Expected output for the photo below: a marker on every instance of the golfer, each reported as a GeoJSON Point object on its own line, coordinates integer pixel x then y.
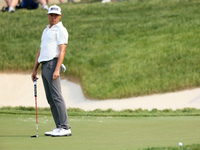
{"type": "Point", "coordinates": [51, 55]}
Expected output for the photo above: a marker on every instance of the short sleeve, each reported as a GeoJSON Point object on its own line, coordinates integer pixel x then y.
{"type": "Point", "coordinates": [62, 36]}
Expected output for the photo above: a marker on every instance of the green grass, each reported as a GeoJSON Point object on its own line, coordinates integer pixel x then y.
{"type": "Point", "coordinates": [116, 50]}
{"type": "Point", "coordinates": [123, 130]}
{"type": "Point", "coordinates": [100, 133]}
{"type": "Point", "coordinates": [105, 113]}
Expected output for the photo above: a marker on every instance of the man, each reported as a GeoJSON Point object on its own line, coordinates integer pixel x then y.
{"type": "Point", "coordinates": [29, 4]}
{"type": "Point", "coordinates": [51, 55]}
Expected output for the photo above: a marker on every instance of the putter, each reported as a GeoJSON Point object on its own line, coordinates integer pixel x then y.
{"type": "Point", "coordinates": [35, 93]}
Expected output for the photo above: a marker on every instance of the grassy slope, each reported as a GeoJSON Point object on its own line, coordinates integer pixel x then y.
{"type": "Point", "coordinates": [117, 49]}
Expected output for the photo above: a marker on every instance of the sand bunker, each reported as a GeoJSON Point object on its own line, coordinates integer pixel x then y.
{"type": "Point", "coordinates": [18, 90]}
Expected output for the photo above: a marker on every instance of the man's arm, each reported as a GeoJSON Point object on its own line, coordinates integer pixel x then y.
{"type": "Point", "coordinates": [61, 56]}
{"type": "Point", "coordinates": [34, 73]}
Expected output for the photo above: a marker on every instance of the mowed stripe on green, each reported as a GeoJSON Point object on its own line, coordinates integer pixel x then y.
{"type": "Point", "coordinates": [89, 133]}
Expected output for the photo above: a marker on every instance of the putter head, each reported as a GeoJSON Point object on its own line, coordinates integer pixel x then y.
{"type": "Point", "coordinates": [34, 136]}
{"type": "Point", "coordinates": [63, 67]}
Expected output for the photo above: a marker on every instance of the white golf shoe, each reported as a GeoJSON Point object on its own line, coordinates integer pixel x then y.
{"type": "Point", "coordinates": [62, 132]}
{"type": "Point", "coordinates": [50, 132]}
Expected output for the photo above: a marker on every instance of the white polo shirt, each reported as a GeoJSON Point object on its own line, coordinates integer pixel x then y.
{"type": "Point", "coordinates": [50, 41]}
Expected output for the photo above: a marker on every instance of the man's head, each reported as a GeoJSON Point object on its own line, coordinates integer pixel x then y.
{"type": "Point", "coordinates": [54, 14]}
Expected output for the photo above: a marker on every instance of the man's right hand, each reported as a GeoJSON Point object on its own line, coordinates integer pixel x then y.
{"type": "Point", "coordinates": [34, 75]}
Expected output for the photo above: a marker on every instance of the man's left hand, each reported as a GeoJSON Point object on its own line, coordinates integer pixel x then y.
{"type": "Point", "coordinates": [56, 75]}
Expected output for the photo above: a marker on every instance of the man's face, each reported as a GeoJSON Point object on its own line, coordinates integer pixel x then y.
{"type": "Point", "coordinates": [54, 19]}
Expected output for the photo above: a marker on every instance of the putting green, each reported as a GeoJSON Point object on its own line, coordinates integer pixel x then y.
{"type": "Point", "coordinates": [99, 133]}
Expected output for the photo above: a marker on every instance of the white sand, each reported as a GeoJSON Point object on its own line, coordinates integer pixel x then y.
{"type": "Point", "coordinates": [18, 90]}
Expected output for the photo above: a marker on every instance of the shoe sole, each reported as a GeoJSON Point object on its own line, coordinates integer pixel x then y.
{"type": "Point", "coordinates": [47, 134]}
{"type": "Point", "coordinates": [61, 135]}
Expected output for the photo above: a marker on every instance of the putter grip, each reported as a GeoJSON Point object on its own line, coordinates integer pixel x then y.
{"type": "Point", "coordinates": [35, 88]}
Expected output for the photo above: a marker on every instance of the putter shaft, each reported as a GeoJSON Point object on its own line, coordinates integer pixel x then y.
{"type": "Point", "coordinates": [35, 94]}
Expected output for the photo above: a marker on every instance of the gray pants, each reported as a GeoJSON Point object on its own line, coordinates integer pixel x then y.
{"type": "Point", "coordinates": [54, 95]}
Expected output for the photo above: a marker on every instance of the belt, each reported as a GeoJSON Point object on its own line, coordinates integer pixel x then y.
{"type": "Point", "coordinates": [43, 62]}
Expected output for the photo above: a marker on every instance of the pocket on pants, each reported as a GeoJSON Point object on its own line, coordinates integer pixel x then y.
{"type": "Point", "coordinates": [52, 64]}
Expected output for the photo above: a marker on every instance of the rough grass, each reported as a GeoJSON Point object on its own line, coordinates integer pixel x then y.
{"type": "Point", "coordinates": [105, 113]}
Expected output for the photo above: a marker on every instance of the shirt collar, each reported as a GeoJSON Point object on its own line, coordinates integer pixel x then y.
{"type": "Point", "coordinates": [56, 25]}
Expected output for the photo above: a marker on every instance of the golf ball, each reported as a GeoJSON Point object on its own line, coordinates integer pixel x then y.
{"type": "Point", "coordinates": [180, 144]}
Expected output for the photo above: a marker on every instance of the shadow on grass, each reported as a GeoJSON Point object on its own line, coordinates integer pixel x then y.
{"type": "Point", "coordinates": [4, 136]}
